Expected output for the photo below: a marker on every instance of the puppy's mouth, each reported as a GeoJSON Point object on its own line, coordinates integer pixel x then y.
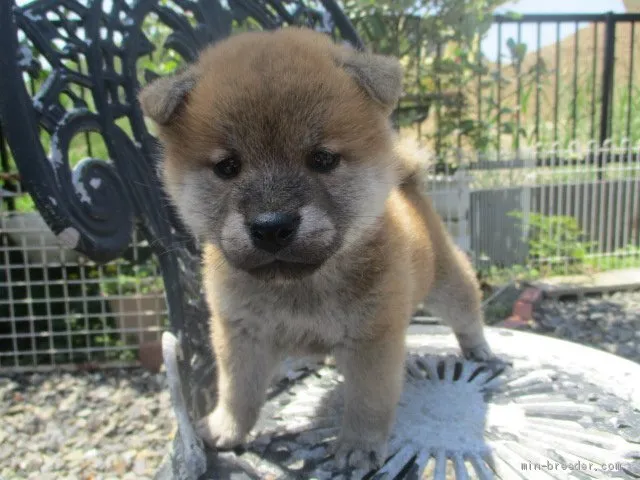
{"type": "Point", "coordinates": [284, 269]}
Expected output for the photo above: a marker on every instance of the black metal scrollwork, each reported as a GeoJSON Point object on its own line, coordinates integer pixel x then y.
{"type": "Point", "coordinates": [92, 56]}
{"type": "Point", "coordinates": [73, 68]}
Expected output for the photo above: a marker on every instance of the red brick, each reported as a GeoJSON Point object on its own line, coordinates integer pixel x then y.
{"type": "Point", "coordinates": [514, 322]}
{"type": "Point", "coordinates": [531, 295]}
{"type": "Point", "coordinates": [523, 310]}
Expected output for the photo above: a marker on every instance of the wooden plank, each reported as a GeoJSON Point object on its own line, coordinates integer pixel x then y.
{"type": "Point", "coordinates": [627, 279]}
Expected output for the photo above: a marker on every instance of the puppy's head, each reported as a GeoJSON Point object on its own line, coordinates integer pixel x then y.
{"type": "Point", "coordinates": [278, 147]}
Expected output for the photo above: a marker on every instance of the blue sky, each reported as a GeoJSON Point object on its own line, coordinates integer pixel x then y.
{"type": "Point", "coordinates": [547, 32]}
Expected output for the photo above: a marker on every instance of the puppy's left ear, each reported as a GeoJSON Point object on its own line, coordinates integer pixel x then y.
{"type": "Point", "coordinates": [380, 76]}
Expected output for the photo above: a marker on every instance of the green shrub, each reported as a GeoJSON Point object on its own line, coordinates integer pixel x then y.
{"type": "Point", "coordinates": [556, 243]}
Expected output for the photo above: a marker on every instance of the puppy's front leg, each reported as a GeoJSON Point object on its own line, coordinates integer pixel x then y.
{"type": "Point", "coordinates": [374, 377]}
{"type": "Point", "coordinates": [244, 368]}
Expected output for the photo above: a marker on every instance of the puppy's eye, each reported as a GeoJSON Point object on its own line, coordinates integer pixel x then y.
{"type": "Point", "coordinates": [227, 168]}
{"type": "Point", "coordinates": [323, 161]}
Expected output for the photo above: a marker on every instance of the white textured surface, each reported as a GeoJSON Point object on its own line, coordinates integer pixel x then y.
{"type": "Point", "coordinates": [191, 456]}
{"type": "Point", "coordinates": [69, 237]}
{"type": "Point", "coordinates": [619, 375]}
{"type": "Point", "coordinates": [461, 419]}
{"type": "Point", "coordinates": [442, 414]}
{"type": "Point", "coordinates": [82, 192]}
{"type": "Point", "coordinates": [56, 153]}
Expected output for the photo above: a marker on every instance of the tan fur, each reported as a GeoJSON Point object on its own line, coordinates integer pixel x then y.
{"type": "Point", "coordinates": [273, 96]}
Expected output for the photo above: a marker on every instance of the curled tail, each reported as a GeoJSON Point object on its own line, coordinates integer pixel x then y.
{"type": "Point", "coordinates": [414, 163]}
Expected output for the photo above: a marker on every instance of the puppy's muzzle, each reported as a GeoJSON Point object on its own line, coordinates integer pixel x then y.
{"type": "Point", "coordinates": [272, 231]}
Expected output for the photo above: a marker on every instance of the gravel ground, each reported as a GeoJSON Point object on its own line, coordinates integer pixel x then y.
{"type": "Point", "coordinates": [118, 423]}
{"type": "Point", "coordinates": [107, 425]}
{"type": "Point", "coordinates": [609, 322]}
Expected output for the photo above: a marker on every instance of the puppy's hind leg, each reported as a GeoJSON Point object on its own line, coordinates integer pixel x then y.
{"type": "Point", "coordinates": [455, 297]}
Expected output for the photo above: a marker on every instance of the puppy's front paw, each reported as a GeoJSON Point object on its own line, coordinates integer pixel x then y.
{"type": "Point", "coordinates": [474, 346]}
{"type": "Point", "coordinates": [361, 453]}
{"type": "Point", "coordinates": [482, 353]}
{"type": "Point", "coordinates": [220, 429]}
{"type": "Point", "coordinates": [478, 353]}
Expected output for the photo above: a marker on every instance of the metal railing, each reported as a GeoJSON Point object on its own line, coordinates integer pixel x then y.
{"type": "Point", "coordinates": [582, 86]}
{"type": "Point", "coordinates": [611, 23]}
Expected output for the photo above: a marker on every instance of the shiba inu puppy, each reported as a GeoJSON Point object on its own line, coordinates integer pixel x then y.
{"type": "Point", "coordinates": [317, 238]}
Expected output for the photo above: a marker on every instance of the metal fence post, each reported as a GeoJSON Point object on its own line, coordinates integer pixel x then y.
{"type": "Point", "coordinates": [607, 86]}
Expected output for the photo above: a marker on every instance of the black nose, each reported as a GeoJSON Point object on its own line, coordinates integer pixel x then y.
{"type": "Point", "coordinates": [273, 231]}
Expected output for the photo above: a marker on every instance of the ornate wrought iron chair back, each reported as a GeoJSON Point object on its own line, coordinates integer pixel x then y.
{"type": "Point", "coordinates": [72, 68]}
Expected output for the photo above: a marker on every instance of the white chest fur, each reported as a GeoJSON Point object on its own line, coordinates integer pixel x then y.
{"type": "Point", "coordinates": [308, 316]}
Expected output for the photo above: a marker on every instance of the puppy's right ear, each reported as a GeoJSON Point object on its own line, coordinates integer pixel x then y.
{"type": "Point", "coordinates": [161, 99]}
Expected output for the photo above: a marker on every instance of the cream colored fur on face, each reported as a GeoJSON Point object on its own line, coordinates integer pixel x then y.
{"type": "Point", "coordinates": [393, 253]}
